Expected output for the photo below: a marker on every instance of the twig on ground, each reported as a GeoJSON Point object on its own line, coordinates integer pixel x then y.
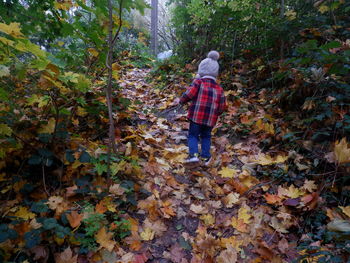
{"type": "Point", "coordinates": [258, 186]}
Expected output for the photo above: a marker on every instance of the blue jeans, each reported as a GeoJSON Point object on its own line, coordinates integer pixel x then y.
{"type": "Point", "coordinates": [202, 131]}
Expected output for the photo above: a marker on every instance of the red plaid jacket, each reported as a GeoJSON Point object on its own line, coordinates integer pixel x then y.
{"type": "Point", "coordinates": [208, 101]}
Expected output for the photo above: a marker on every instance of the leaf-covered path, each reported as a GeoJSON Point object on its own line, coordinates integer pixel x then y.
{"type": "Point", "coordinates": [223, 213]}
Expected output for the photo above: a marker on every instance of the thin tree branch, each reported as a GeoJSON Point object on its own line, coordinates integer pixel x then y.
{"type": "Point", "coordinates": [120, 22]}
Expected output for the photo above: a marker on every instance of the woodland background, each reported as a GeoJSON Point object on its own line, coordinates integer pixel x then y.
{"type": "Point", "coordinates": [81, 154]}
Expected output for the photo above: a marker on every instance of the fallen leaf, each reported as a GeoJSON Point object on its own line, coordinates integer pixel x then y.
{"type": "Point", "coordinates": [66, 257]}
{"type": "Point", "coordinates": [74, 219]}
{"type": "Point", "coordinates": [309, 186]}
{"type": "Point", "coordinates": [345, 210]}
{"type": "Point", "coordinates": [208, 219]}
{"type": "Point", "coordinates": [104, 239]}
{"type": "Point", "coordinates": [338, 225]}
{"type": "Point", "coordinates": [279, 227]}
{"type": "Point", "coordinates": [147, 234]}
{"type": "Point", "coordinates": [272, 199]}
{"type": "Point", "coordinates": [24, 213]}
{"type": "Point", "coordinates": [198, 209]}
{"type": "Point", "coordinates": [116, 189]}
{"type": "Point", "coordinates": [227, 172]}
{"type": "Point", "coordinates": [342, 151]}
{"type": "Point", "coordinates": [228, 255]}
{"type": "Point", "coordinates": [231, 199]}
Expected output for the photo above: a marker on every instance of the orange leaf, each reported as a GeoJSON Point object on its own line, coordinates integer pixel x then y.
{"type": "Point", "coordinates": [74, 219]}
{"type": "Point", "coordinates": [104, 238]}
{"type": "Point", "coordinates": [272, 199]}
{"type": "Point", "coordinates": [101, 207]}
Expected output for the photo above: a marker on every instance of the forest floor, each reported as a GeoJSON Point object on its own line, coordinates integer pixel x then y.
{"type": "Point", "coordinates": [220, 213]}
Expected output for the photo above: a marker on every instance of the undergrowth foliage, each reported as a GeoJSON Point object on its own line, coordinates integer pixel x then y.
{"type": "Point", "coordinates": [278, 190]}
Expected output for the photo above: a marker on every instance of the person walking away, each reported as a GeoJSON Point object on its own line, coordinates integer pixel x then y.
{"type": "Point", "coordinates": [207, 104]}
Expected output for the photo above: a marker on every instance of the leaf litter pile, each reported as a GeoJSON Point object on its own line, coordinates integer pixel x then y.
{"type": "Point", "coordinates": [249, 205]}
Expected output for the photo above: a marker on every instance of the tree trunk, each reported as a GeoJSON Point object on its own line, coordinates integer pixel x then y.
{"type": "Point", "coordinates": [108, 89]}
{"type": "Point", "coordinates": [282, 41]}
{"type": "Point", "coordinates": [154, 27]}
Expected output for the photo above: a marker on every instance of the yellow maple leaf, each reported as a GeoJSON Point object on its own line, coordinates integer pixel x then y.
{"type": "Point", "coordinates": [208, 219]}
{"type": "Point", "coordinates": [239, 225]}
{"type": "Point", "coordinates": [147, 234]}
{"type": "Point", "coordinates": [265, 159]}
{"type": "Point", "coordinates": [294, 192]}
{"type": "Point", "coordinates": [227, 172]}
{"type": "Point", "coordinates": [12, 29]}
{"type": "Point", "coordinates": [290, 14]}
{"type": "Point", "coordinates": [49, 127]}
{"type": "Point", "coordinates": [24, 213]}
{"type": "Point", "coordinates": [93, 52]}
{"type": "Point", "coordinates": [342, 151]}
{"type": "Point", "coordinates": [264, 126]}
{"type": "Point", "coordinates": [104, 238]}
{"type": "Point", "coordinates": [233, 241]}
{"type": "Point", "coordinates": [5, 130]}
{"type": "Point", "coordinates": [345, 210]}
{"type": "Point", "coordinates": [81, 112]}
{"type": "Point", "coordinates": [244, 213]}
{"type": "Point", "coordinates": [323, 9]}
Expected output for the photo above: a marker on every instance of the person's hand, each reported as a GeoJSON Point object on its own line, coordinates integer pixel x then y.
{"type": "Point", "coordinates": [176, 102]}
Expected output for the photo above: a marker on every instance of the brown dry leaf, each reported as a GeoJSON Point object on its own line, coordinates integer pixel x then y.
{"type": "Point", "coordinates": [227, 256]}
{"type": "Point", "coordinates": [208, 245]}
{"type": "Point", "coordinates": [54, 202]}
{"type": "Point", "coordinates": [70, 191]}
{"type": "Point", "coordinates": [238, 186]}
{"type": "Point", "coordinates": [198, 209]}
{"type": "Point", "coordinates": [157, 226]}
{"type": "Point", "coordinates": [134, 241]}
{"type": "Point", "coordinates": [74, 219]}
{"type": "Point", "coordinates": [240, 225]}
{"type": "Point", "coordinates": [34, 224]}
{"type": "Point", "coordinates": [116, 189]}
{"type": "Point", "coordinates": [231, 199]}
{"type": "Point", "coordinates": [40, 253]}
{"type": "Point", "coordinates": [167, 210]}
{"type": "Point", "coordinates": [58, 204]}
{"type": "Point", "coordinates": [66, 257]}
{"type": "Point", "coordinates": [342, 151]}
{"type": "Point", "coordinates": [309, 186]}
{"type": "Point", "coordinates": [345, 210]}
{"type": "Point", "coordinates": [104, 239]}
{"type": "Point", "coordinates": [265, 253]}
{"type": "Point", "coordinates": [283, 245]}
{"type": "Point", "coordinates": [177, 254]}
{"type": "Point", "coordinates": [279, 227]}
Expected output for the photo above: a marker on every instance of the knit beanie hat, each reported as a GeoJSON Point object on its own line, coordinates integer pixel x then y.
{"type": "Point", "coordinates": [209, 66]}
